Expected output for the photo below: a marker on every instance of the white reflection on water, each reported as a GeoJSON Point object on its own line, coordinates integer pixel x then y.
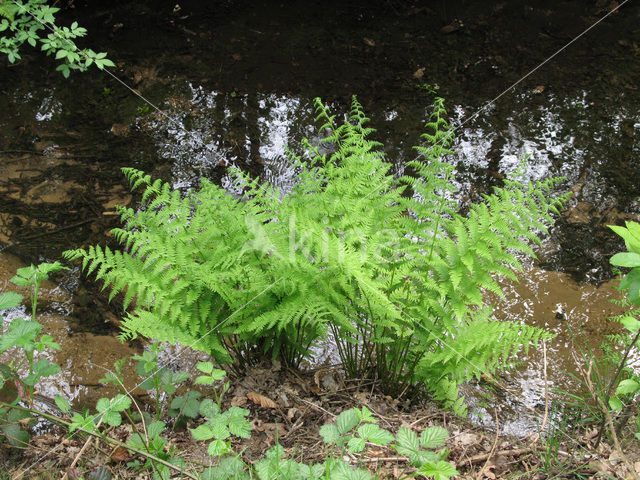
{"type": "Point", "coordinates": [49, 107]}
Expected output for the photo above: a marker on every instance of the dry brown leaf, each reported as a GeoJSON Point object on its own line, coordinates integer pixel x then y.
{"type": "Point", "coordinates": [452, 27]}
{"type": "Point", "coordinates": [120, 129]}
{"type": "Point", "coordinates": [369, 42]}
{"type": "Point", "coordinates": [121, 454]}
{"type": "Point", "coordinates": [418, 73]}
{"type": "Point", "coordinates": [488, 473]}
{"type": "Point", "coordinates": [467, 439]}
{"type": "Point", "coordinates": [261, 400]}
{"type": "Point", "coordinates": [238, 401]}
{"type": "Point", "coordinates": [539, 89]}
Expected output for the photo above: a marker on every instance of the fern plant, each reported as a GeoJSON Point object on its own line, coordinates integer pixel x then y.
{"type": "Point", "coordinates": [383, 263]}
{"type": "Point", "coordinates": [418, 310]}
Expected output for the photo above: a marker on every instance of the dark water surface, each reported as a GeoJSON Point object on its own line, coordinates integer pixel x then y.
{"type": "Point", "coordinates": [235, 82]}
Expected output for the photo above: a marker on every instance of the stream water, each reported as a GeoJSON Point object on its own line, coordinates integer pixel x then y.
{"type": "Point", "coordinates": [235, 83]}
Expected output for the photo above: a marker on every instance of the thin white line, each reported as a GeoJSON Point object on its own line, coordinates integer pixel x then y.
{"type": "Point", "coordinates": [543, 63]}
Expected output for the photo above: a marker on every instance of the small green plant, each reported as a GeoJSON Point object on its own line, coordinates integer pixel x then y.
{"type": "Point", "coordinates": [23, 336]}
{"type": "Point", "coordinates": [220, 425]}
{"type": "Point", "coordinates": [355, 429]}
{"type": "Point", "coordinates": [626, 381]}
{"type": "Point", "coordinates": [611, 384]}
{"type": "Point", "coordinates": [157, 378]}
{"type": "Point", "coordinates": [428, 88]}
{"type": "Point", "coordinates": [22, 21]}
{"type": "Point", "coordinates": [629, 259]}
{"type": "Point", "coordinates": [213, 376]}
{"type": "Point", "coordinates": [152, 441]}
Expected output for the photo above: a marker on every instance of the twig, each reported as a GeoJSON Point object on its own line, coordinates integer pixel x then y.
{"type": "Point", "coordinates": [317, 406]}
{"type": "Point", "coordinates": [482, 457]}
{"type": "Point", "coordinates": [383, 459]}
{"type": "Point", "coordinates": [426, 417]}
{"type": "Point", "coordinates": [57, 230]}
{"type": "Point", "coordinates": [77, 458]}
{"type": "Point", "coordinates": [493, 448]}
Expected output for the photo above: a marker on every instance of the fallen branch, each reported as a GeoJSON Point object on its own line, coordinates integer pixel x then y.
{"type": "Point", "coordinates": [493, 447]}
{"type": "Point", "coordinates": [483, 457]}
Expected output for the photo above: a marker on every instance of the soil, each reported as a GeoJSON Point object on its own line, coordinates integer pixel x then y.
{"type": "Point", "coordinates": [304, 401]}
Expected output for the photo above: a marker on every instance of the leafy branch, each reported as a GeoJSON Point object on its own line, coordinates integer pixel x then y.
{"type": "Point", "coordinates": [22, 23]}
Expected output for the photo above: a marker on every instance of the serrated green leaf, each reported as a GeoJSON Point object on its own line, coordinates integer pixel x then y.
{"type": "Point", "coordinates": [441, 470]}
{"type": "Point", "coordinates": [374, 434]}
{"type": "Point", "coordinates": [148, 384]}
{"type": "Point", "coordinates": [343, 471]}
{"type": "Point", "coordinates": [356, 445]}
{"type": "Point", "coordinates": [42, 368]}
{"type": "Point", "coordinates": [329, 433]}
{"type": "Point", "coordinates": [407, 442]}
{"type": "Point", "coordinates": [120, 402]}
{"type": "Point", "coordinates": [208, 408]}
{"type": "Point", "coordinates": [21, 333]}
{"type": "Point", "coordinates": [205, 367]}
{"type": "Point", "coordinates": [433, 437]}
{"type": "Point", "coordinates": [240, 426]}
{"type": "Point", "coordinates": [346, 421]}
{"type": "Point", "coordinates": [365, 415]}
{"type": "Point", "coordinates": [179, 377]}
{"type": "Point", "coordinates": [103, 404]}
{"type": "Point", "coordinates": [62, 403]}
{"type": "Point", "coordinates": [202, 432]}
{"type": "Point", "coordinates": [155, 429]}
{"type": "Point", "coordinates": [15, 435]}
{"type": "Point", "coordinates": [187, 404]}
{"type": "Point", "coordinates": [112, 418]}
{"type": "Point", "coordinates": [204, 380]}
{"type": "Point", "coordinates": [79, 421]}
{"type": "Point", "coordinates": [627, 386]}
{"type": "Point", "coordinates": [218, 448]}
{"type": "Point", "coordinates": [47, 341]}
{"type": "Point", "coordinates": [10, 300]}
{"type": "Point", "coordinates": [219, 428]}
